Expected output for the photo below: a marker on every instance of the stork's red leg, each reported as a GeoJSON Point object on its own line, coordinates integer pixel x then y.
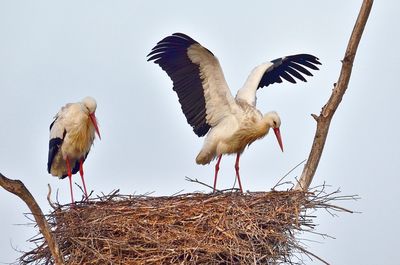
{"type": "Point", "coordinates": [70, 179]}
{"type": "Point", "coordinates": [237, 171]}
{"type": "Point", "coordinates": [216, 171]}
{"type": "Point", "coordinates": [83, 179]}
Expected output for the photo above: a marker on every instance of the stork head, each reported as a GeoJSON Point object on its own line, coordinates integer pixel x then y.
{"type": "Point", "coordinates": [272, 119]}
{"type": "Point", "coordinates": [91, 105]}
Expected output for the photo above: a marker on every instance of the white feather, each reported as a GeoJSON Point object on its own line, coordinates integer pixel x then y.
{"type": "Point", "coordinates": [73, 126]}
{"type": "Point", "coordinates": [248, 92]}
{"type": "Point", "coordinates": [218, 97]}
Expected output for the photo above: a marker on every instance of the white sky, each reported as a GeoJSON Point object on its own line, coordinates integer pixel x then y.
{"type": "Point", "coordinates": [54, 52]}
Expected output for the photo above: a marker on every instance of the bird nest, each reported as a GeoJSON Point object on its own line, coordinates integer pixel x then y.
{"type": "Point", "coordinates": [196, 228]}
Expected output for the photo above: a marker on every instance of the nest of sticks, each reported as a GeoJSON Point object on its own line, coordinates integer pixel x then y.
{"type": "Point", "coordinates": [196, 228]}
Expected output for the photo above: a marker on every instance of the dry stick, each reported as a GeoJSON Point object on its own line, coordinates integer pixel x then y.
{"type": "Point", "coordinates": [208, 186]}
{"type": "Point", "coordinates": [49, 198]}
{"type": "Point", "coordinates": [312, 254]}
{"type": "Point", "coordinates": [325, 117]}
{"type": "Point", "coordinates": [19, 189]}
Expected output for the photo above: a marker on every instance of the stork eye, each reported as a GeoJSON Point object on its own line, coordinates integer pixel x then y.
{"type": "Point", "coordinates": [274, 123]}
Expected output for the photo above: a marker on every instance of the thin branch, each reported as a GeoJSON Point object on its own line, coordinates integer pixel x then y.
{"type": "Point", "coordinates": [290, 171]}
{"type": "Point", "coordinates": [177, 193]}
{"type": "Point", "coordinates": [18, 188]}
{"type": "Point", "coordinates": [49, 198]}
{"type": "Point", "coordinates": [208, 186]}
{"type": "Point", "coordinates": [327, 112]}
{"type": "Point", "coordinates": [311, 254]}
{"type": "Point", "coordinates": [199, 182]}
{"type": "Point", "coordinates": [113, 194]}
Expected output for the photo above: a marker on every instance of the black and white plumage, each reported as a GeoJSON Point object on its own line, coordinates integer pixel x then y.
{"type": "Point", "coordinates": [71, 136]}
{"type": "Point", "coordinates": [231, 123]}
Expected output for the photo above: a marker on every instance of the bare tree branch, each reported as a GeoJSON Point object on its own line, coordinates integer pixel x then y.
{"type": "Point", "coordinates": [325, 117]}
{"type": "Point", "coordinates": [19, 189]}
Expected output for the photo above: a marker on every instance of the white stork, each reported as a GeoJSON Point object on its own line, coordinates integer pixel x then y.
{"type": "Point", "coordinates": [230, 123]}
{"type": "Point", "coordinates": [71, 135]}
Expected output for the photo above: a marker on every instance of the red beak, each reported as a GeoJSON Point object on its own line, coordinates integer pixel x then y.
{"type": "Point", "coordinates": [278, 137]}
{"type": "Point", "coordinates": [94, 121]}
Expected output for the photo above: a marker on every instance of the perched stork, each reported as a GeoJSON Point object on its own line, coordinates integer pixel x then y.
{"type": "Point", "coordinates": [230, 123]}
{"type": "Point", "coordinates": [71, 135]}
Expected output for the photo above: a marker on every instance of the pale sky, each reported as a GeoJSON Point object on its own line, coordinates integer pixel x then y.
{"type": "Point", "coordinates": [55, 52]}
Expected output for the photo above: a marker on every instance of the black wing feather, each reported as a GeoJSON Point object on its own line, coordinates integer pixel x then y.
{"type": "Point", "coordinates": [54, 146]}
{"type": "Point", "coordinates": [75, 169]}
{"type": "Point", "coordinates": [300, 68]}
{"type": "Point", "coordinates": [171, 55]}
{"type": "Point", "coordinates": [296, 74]}
{"type": "Point", "coordinates": [287, 77]}
{"type": "Point", "coordinates": [51, 124]}
{"type": "Point", "coordinates": [289, 68]}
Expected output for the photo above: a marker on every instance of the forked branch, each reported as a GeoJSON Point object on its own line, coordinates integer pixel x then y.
{"type": "Point", "coordinates": [325, 117]}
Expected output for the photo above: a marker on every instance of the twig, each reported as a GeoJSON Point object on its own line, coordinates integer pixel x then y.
{"type": "Point", "coordinates": [84, 199]}
{"type": "Point", "coordinates": [208, 186]}
{"type": "Point", "coordinates": [199, 182]}
{"type": "Point", "coordinates": [311, 254]}
{"type": "Point", "coordinates": [327, 112]}
{"type": "Point", "coordinates": [57, 200]}
{"type": "Point", "coordinates": [112, 195]}
{"type": "Point", "coordinates": [178, 192]}
{"type": "Point", "coordinates": [338, 208]}
{"type": "Point", "coordinates": [290, 171]}
{"type": "Point", "coordinates": [18, 188]}
{"type": "Point", "coordinates": [49, 199]}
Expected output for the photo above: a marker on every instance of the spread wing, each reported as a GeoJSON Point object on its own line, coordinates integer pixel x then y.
{"type": "Point", "coordinates": [197, 79]}
{"type": "Point", "coordinates": [289, 68]}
